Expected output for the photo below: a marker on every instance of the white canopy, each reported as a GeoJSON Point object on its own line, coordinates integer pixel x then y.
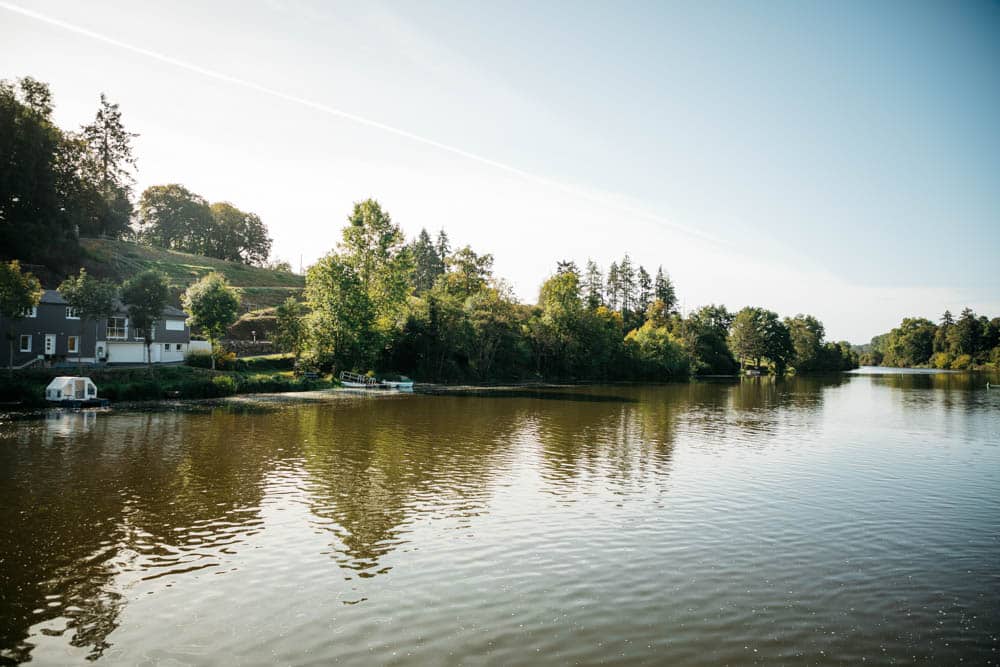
{"type": "Point", "coordinates": [67, 387]}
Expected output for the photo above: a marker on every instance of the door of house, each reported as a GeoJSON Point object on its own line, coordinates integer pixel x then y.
{"type": "Point", "coordinates": [101, 351]}
{"type": "Point", "coordinates": [50, 344]}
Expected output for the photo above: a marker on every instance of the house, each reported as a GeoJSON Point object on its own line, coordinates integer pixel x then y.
{"type": "Point", "coordinates": [51, 333]}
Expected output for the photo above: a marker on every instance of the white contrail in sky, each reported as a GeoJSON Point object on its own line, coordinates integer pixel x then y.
{"type": "Point", "coordinates": [333, 111]}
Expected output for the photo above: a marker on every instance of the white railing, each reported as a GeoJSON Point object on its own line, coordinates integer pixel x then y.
{"type": "Point", "coordinates": [348, 376]}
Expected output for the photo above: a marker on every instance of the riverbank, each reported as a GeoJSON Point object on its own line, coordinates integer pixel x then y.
{"type": "Point", "coordinates": [27, 388]}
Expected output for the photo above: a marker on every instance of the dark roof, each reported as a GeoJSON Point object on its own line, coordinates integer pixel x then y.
{"type": "Point", "coordinates": [52, 296]}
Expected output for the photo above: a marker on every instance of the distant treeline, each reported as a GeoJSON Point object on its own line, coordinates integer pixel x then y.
{"type": "Point", "coordinates": [57, 185]}
{"type": "Point", "coordinates": [967, 342]}
{"type": "Point", "coordinates": [435, 312]}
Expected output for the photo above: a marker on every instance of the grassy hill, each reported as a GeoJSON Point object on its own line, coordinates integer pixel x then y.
{"type": "Point", "coordinates": [118, 260]}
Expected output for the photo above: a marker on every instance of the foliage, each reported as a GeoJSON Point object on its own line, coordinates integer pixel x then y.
{"type": "Point", "coordinates": [109, 165]}
{"type": "Point", "coordinates": [428, 263]}
{"type": "Point", "coordinates": [757, 334]}
{"type": "Point", "coordinates": [19, 293]}
{"type": "Point", "coordinates": [663, 289]}
{"type": "Point", "coordinates": [467, 272]}
{"type": "Point", "coordinates": [93, 299]}
{"type": "Point", "coordinates": [340, 326]}
{"type": "Point", "coordinates": [911, 343]}
{"type": "Point", "coordinates": [212, 306]}
{"type": "Point", "coordinates": [659, 355]}
{"type": "Point", "coordinates": [704, 335]}
{"type": "Point", "coordinates": [145, 296]}
{"type": "Point", "coordinates": [289, 332]}
{"type": "Point", "coordinates": [174, 218]}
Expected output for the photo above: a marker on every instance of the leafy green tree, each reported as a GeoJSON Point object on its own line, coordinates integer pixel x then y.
{"type": "Point", "coordinates": [289, 335]}
{"type": "Point", "coordinates": [468, 272]}
{"type": "Point", "coordinates": [659, 355]}
{"type": "Point", "coordinates": [110, 166]}
{"type": "Point", "coordinates": [340, 325]}
{"type": "Point", "coordinates": [704, 335]}
{"type": "Point", "coordinates": [911, 343]}
{"type": "Point", "coordinates": [758, 334]}
{"type": "Point", "coordinates": [807, 335]}
{"type": "Point", "coordinates": [237, 236]}
{"type": "Point", "coordinates": [39, 183]}
{"type": "Point", "coordinates": [964, 337]}
{"type": "Point", "coordinates": [173, 217]}
{"type": "Point", "coordinates": [492, 318]}
{"type": "Point", "coordinates": [556, 331]}
{"type": "Point", "coordinates": [427, 264]}
{"type": "Point", "coordinates": [375, 249]}
{"type": "Point", "coordinates": [19, 293]}
{"type": "Point", "coordinates": [941, 342]}
{"type": "Point", "coordinates": [93, 300]}
{"type": "Point", "coordinates": [594, 285]}
{"type": "Point", "coordinates": [145, 296]}
{"type": "Point", "coordinates": [213, 306]}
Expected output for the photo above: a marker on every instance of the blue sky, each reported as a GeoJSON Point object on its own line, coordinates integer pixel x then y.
{"type": "Point", "coordinates": [841, 159]}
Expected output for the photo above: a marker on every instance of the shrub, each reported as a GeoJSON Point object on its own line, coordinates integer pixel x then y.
{"type": "Point", "coordinates": [962, 362]}
{"type": "Point", "coordinates": [941, 360]}
{"type": "Point", "coordinates": [224, 361]}
{"type": "Point", "coordinates": [225, 385]}
{"type": "Point", "coordinates": [271, 362]}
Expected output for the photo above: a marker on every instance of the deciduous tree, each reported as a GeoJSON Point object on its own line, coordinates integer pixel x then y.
{"type": "Point", "coordinates": [145, 296]}
{"type": "Point", "coordinates": [213, 307]}
{"type": "Point", "coordinates": [93, 299]}
{"type": "Point", "coordinates": [19, 293]}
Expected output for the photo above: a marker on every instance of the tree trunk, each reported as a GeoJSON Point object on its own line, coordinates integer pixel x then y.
{"type": "Point", "coordinates": [10, 359]}
{"type": "Point", "coordinates": [79, 350]}
{"type": "Point", "coordinates": [211, 342]}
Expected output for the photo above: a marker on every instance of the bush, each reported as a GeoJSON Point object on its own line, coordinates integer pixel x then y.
{"type": "Point", "coordinates": [941, 360]}
{"type": "Point", "coordinates": [962, 363]}
{"type": "Point", "coordinates": [270, 362]}
{"type": "Point", "coordinates": [225, 385]}
{"type": "Point", "coordinates": [224, 361]}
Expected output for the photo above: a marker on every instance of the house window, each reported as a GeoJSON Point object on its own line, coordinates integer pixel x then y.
{"type": "Point", "coordinates": [174, 325]}
{"type": "Point", "coordinates": [166, 347]}
{"type": "Point", "coordinates": [178, 347]}
{"type": "Point", "coordinates": [25, 343]}
{"type": "Point", "coordinates": [117, 328]}
{"type": "Point", "coordinates": [72, 313]}
{"type": "Point", "coordinates": [30, 312]}
{"type": "Point", "coordinates": [73, 344]}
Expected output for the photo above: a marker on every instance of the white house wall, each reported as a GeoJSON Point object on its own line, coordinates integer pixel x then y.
{"type": "Point", "coordinates": [126, 353]}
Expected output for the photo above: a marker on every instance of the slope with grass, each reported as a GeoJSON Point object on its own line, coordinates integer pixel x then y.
{"type": "Point", "coordinates": [259, 287]}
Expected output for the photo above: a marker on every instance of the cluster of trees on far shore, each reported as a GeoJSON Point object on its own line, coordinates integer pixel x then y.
{"type": "Point", "coordinates": [435, 312]}
{"type": "Point", "coordinates": [57, 185]}
{"type": "Point", "coordinates": [966, 342]}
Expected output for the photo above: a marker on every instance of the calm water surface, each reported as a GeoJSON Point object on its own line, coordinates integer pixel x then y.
{"type": "Point", "coordinates": [805, 521]}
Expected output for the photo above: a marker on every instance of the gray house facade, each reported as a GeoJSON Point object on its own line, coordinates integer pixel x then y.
{"type": "Point", "coordinates": [52, 333]}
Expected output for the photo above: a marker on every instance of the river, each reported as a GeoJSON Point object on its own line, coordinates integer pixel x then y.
{"type": "Point", "coordinates": [800, 521]}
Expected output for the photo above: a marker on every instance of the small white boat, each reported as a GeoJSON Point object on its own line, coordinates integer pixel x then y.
{"type": "Point", "coordinates": [402, 383]}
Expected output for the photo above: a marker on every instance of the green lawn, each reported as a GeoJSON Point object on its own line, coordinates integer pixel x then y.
{"type": "Point", "coordinates": [258, 287]}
